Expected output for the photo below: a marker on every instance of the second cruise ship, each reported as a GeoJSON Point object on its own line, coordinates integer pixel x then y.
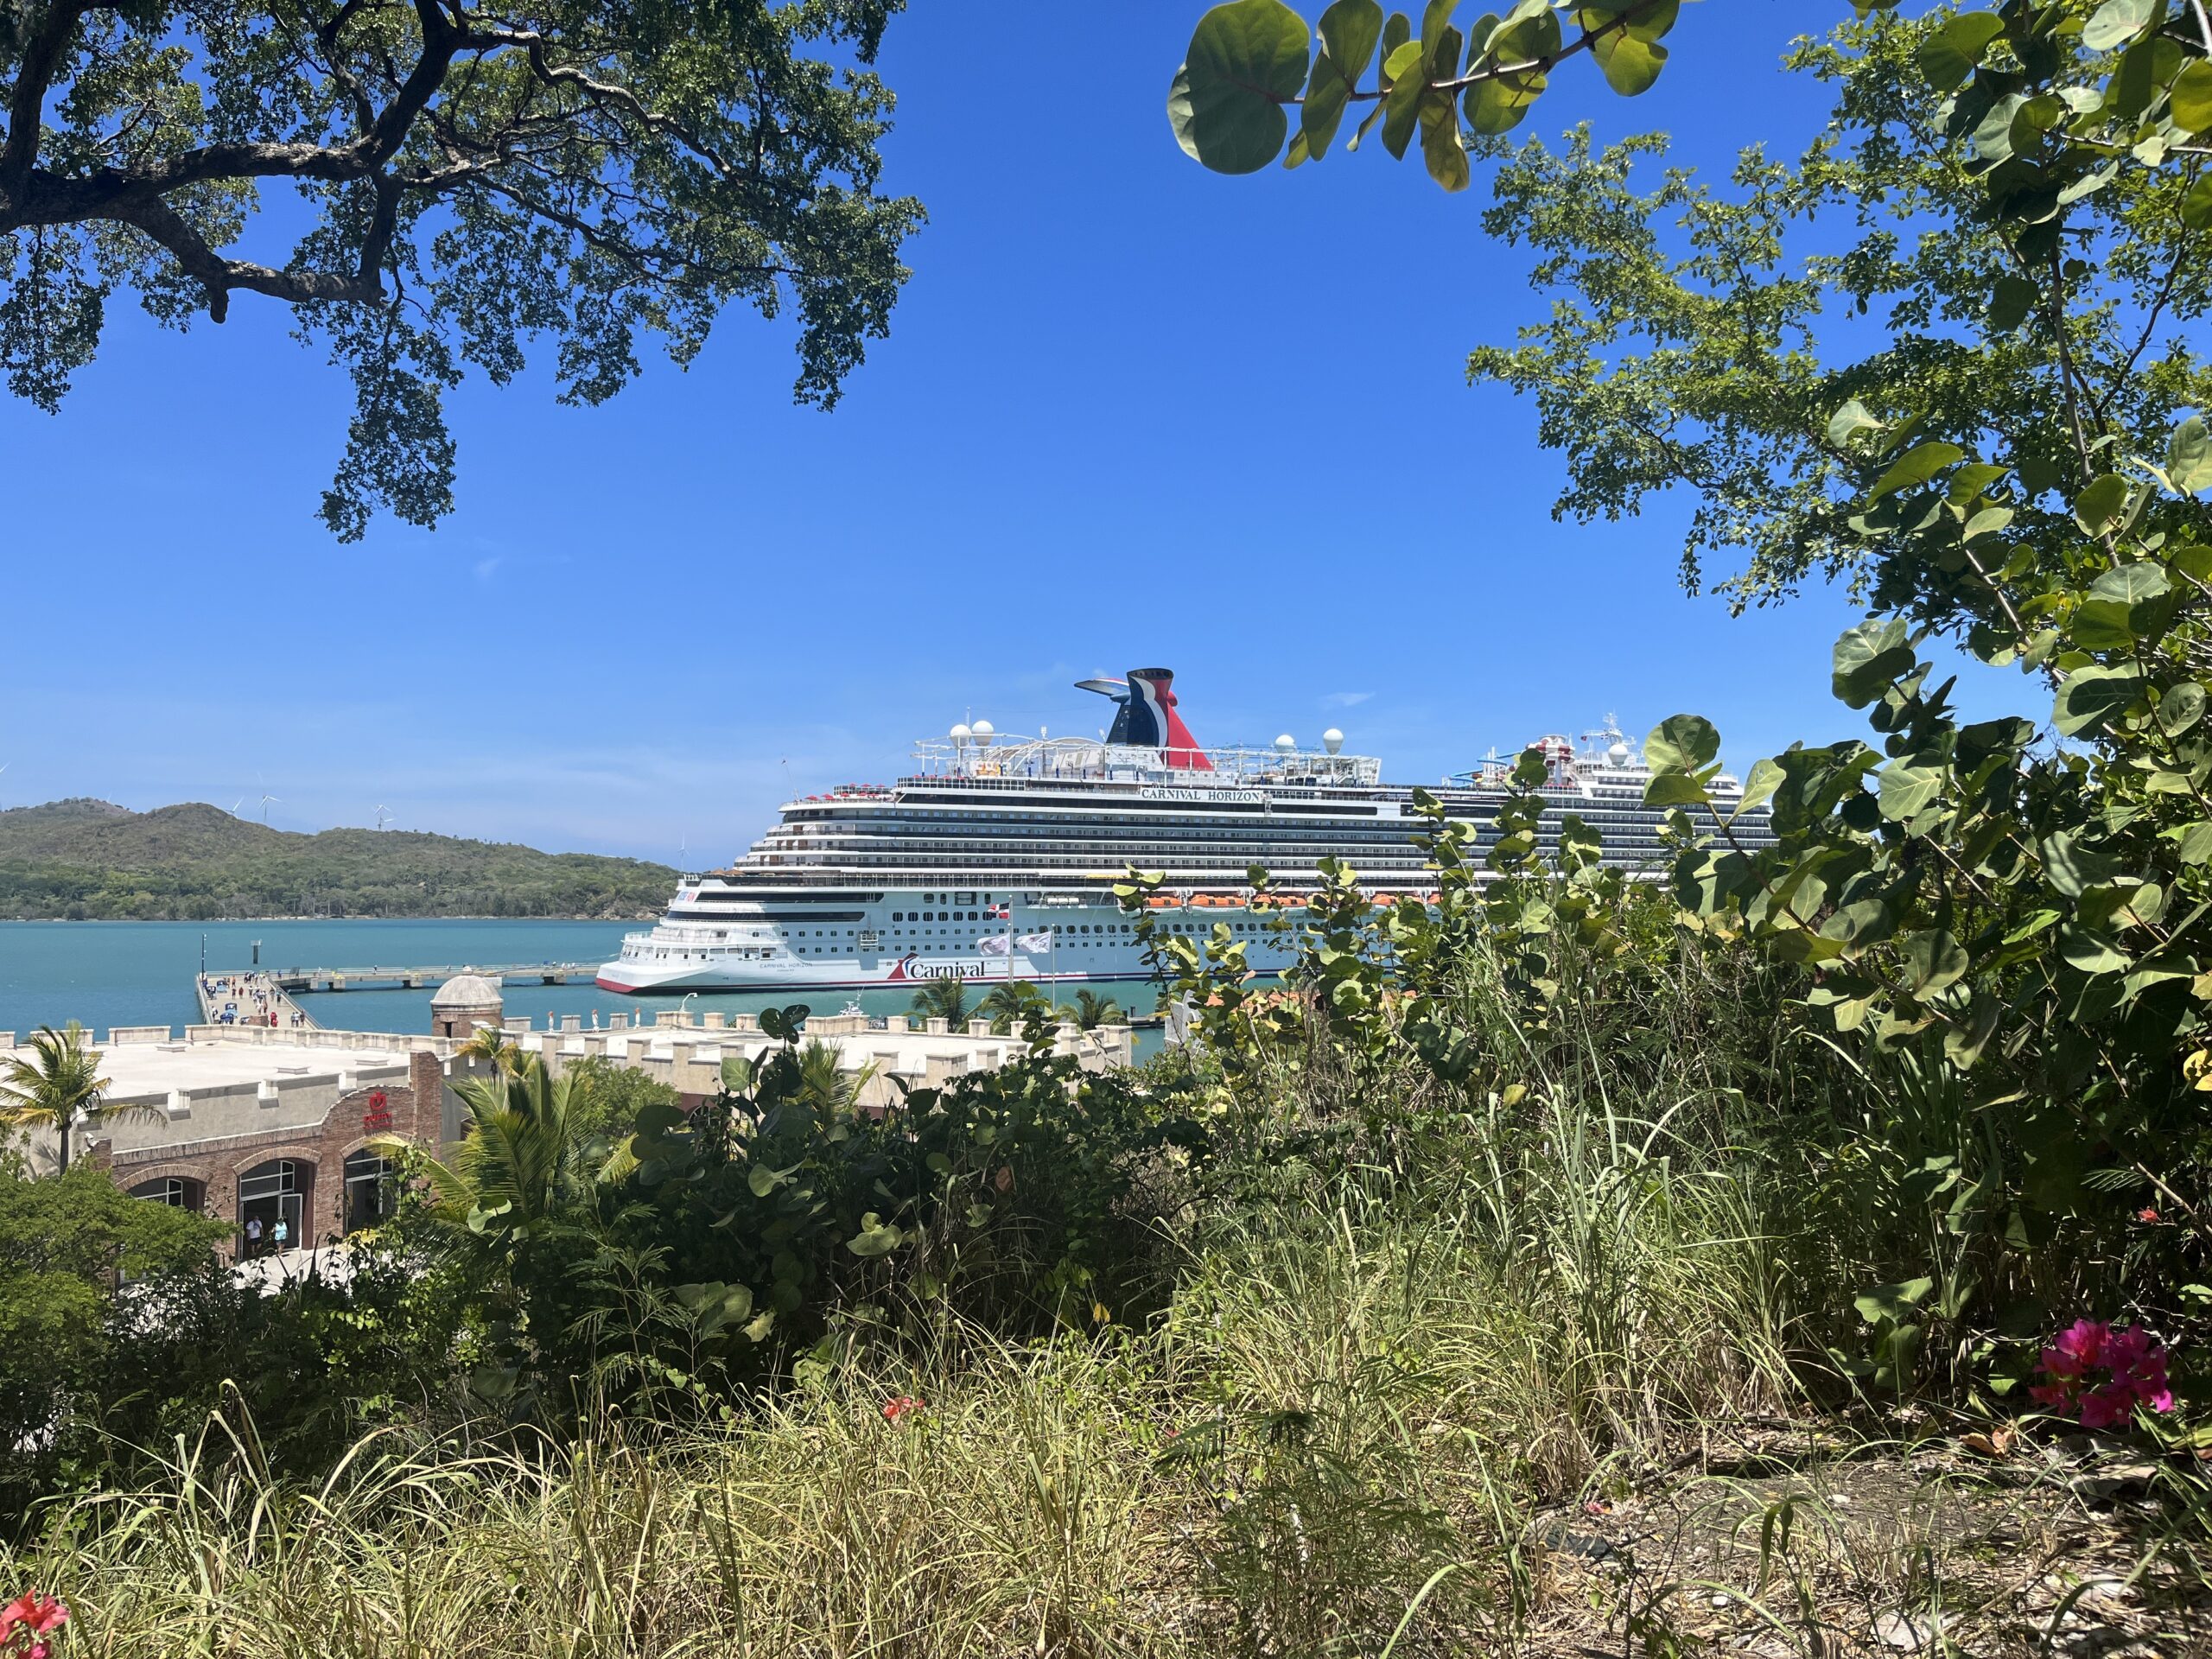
{"type": "Point", "coordinates": [997, 856]}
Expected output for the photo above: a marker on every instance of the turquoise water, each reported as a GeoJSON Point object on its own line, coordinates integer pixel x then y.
{"type": "Point", "coordinates": [107, 974]}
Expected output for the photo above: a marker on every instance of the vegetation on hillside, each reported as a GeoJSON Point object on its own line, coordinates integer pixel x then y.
{"type": "Point", "coordinates": [90, 860]}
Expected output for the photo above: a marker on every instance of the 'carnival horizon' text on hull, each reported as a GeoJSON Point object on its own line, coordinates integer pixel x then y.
{"type": "Point", "coordinates": [997, 858]}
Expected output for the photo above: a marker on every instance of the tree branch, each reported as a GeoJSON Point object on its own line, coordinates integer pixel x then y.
{"type": "Point", "coordinates": [149, 212]}
{"type": "Point", "coordinates": [27, 109]}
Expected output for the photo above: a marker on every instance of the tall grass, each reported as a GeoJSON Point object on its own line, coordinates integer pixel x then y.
{"type": "Point", "coordinates": [1336, 1437]}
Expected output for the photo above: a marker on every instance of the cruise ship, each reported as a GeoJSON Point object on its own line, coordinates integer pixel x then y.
{"type": "Point", "coordinates": [996, 857]}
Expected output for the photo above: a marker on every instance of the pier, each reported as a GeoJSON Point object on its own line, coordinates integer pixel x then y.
{"type": "Point", "coordinates": [419, 978]}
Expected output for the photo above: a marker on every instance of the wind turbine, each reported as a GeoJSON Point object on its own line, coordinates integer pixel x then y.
{"type": "Point", "coordinates": [384, 816]}
{"type": "Point", "coordinates": [4, 765]}
{"type": "Point", "coordinates": [267, 801]}
{"type": "Point", "coordinates": [236, 804]}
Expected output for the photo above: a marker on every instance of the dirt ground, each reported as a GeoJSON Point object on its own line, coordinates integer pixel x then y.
{"type": "Point", "coordinates": [1781, 1541]}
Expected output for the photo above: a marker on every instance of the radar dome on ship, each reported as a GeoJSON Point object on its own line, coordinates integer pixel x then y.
{"type": "Point", "coordinates": [1333, 739]}
{"type": "Point", "coordinates": [1618, 753]}
{"type": "Point", "coordinates": [1287, 743]}
{"type": "Point", "coordinates": [983, 731]}
{"type": "Point", "coordinates": [960, 733]}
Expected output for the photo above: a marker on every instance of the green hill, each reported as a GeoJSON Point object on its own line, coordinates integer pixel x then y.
{"type": "Point", "coordinates": [93, 860]}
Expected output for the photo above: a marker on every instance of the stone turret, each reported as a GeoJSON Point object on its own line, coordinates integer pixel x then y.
{"type": "Point", "coordinates": [465, 1003]}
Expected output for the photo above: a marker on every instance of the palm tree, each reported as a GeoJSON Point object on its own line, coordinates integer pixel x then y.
{"type": "Point", "coordinates": [490, 1043]}
{"type": "Point", "coordinates": [1092, 1011]}
{"type": "Point", "coordinates": [59, 1089]}
{"type": "Point", "coordinates": [943, 999]}
{"type": "Point", "coordinates": [1008, 1004]}
{"type": "Point", "coordinates": [823, 1082]}
{"type": "Point", "coordinates": [520, 1155]}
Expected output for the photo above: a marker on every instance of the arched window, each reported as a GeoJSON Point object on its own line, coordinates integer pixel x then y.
{"type": "Point", "coordinates": [371, 1185]}
{"type": "Point", "coordinates": [178, 1191]}
{"type": "Point", "coordinates": [272, 1206]}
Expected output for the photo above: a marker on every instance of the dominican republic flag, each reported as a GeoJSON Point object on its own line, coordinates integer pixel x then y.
{"type": "Point", "coordinates": [998, 914]}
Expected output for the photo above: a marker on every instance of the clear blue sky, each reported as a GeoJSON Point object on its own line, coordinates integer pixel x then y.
{"type": "Point", "coordinates": [1130, 413]}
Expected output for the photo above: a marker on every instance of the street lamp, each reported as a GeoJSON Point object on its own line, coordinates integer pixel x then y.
{"type": "Point", "coordinates": [684, 1009]}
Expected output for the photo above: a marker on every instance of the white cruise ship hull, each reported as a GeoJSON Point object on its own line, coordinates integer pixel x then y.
{"type": "Point", "coordinates": [647, 979]}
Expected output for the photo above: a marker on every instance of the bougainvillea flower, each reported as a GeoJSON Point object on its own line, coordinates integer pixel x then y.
{"type": "Point", "coordinates": [2100, 1375]}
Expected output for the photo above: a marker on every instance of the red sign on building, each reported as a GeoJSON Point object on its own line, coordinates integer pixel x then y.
{"type": "Point", "coordinates": [379, 1116]}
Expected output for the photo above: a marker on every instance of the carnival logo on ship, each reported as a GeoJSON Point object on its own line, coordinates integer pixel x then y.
{"type": "Point", "coordinates": [911, 967]}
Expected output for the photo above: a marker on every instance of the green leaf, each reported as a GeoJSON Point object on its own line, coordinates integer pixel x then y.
{"type": "Point", "coordinates": [875, 1237]}
{"type": "Point", "coordinates": [1440, 149]}
{"type": "Point", "coordinates": [1401, 104]}
{"type": "Point", "coordinates": [1529, 33]}
{"type": "Point", "coordinates": [2009, 301]}
{"type": "Point", "coordinates": [2181, 707]}
{"type": "Point", "coordinates": [1630, 64]}
{"type": "Point", "coordinates": [1849, 422]}
{"type": "Point", "coordinates": [1497, 106]}
{"type": "Point", "coordinates": [1682, 743]}
{"type": "Point", "coordinates": [1917, 466]}
{"type": "Point", "coordinates": [2090, 951]}
{"type": "Point", "coordinates": [2093, 697]}
{"type": "Point", "coordinates": [2133, 585]}
{"type": "Point", "coordinates": [2189, 457]}
{"type": "Point", "coordinates": [1892, 1302]}
{"type": "Point", "coordinates": [2192, 842]}
{"type": "Point", "coordinates": [1674, 789]}
{"type": "Point", "coordinates": [2118, 21]}
{"type": "Point", "coordinates": [1954, 51]}
{"type": "Point", "coordinates": [1933, 960]}
{"type": "Point", "coordinates": [1869, 658]}
{"type": "Point", "coordinates": [2196, 204]}
{"type": "Point", "coordinates": [2071, 868]}
{"type": "Point", "coordinates": [2192, 96]}
{"type": "Point", "coordinates": [1247, 59]}
{"type": "Point", "coordinates": [1349, 31]}
{"type": "Point", "coordinates": [1440, 42]}
{"type": "Point", "coordinates": [2100, 504]}
{"type": "Point", "coordinates": [1909, 790]}
{"type": "Point", "coordinates": [1323, 108]}
{"type": "Point", "coordinates": [1765, 778]}
{"type": "Point", "coordinates": [2101, 625]}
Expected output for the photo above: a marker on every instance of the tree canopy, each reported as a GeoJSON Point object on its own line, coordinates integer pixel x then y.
{"type": "Point", "coordinates": [464, 181]}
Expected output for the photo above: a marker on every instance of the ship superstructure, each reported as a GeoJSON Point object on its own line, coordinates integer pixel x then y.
{"type": "Point", "coordinates": [996, 857]}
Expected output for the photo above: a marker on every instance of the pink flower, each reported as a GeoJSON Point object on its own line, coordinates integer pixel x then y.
{"type": "Point", "coordinates": [31, 1614]}
{"type": "Point", "coordinates": [904, 1405]}
{"type": "Point", "coordinates": [2101, 1375]}
{"type": "Point", "coordinates": [2146, 1213]}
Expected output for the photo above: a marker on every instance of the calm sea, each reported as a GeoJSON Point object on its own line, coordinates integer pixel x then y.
{"type": "Point", "coordinates": [106, 974]}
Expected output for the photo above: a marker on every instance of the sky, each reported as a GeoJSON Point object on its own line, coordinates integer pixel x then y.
{"type": "Point", "coordinates": [1129, 413]}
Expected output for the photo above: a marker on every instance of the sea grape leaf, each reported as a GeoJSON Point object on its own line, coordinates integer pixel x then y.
{"type": "Point", "coordinates": [1682, 743]}
{"type": "Point", "coordinates": [1247, 59]}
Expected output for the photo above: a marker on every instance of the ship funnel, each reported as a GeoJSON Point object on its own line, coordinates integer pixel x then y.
{"type": "Point", "coordinates": [1153, 722]}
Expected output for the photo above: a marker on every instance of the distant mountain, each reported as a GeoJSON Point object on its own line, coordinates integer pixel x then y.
{"type": "Point", "coordinates": [93, 860]}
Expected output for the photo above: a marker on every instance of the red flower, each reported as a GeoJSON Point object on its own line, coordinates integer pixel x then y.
{"type": "Point", "coordinates": [2146, 1213]}
{"type": "Point", "coordinates": [905, 1406]}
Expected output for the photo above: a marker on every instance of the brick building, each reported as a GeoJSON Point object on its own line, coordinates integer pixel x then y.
{"type": "Point", "coordinates": [323, 1179]}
